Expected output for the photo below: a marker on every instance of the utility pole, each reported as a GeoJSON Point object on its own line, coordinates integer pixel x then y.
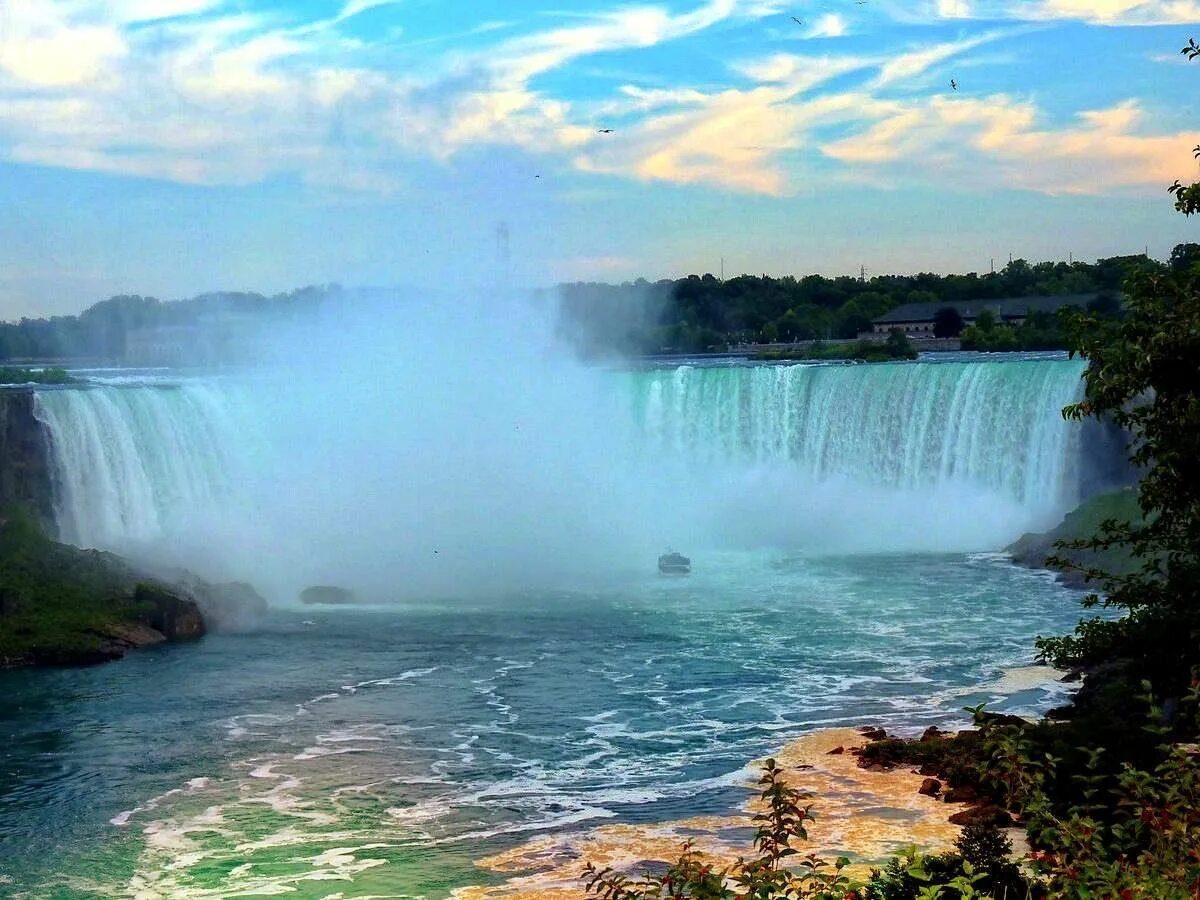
{"type": "Point", "coordinates": [993, 265]}
{"type": "Point", "coordinates": [722, 268]}
{"type": "Point", "coordinates": [862, 274]}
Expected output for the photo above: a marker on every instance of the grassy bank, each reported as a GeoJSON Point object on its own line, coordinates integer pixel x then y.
{"type": "Point", "coordinates": [896, 347]}
{"type": "Point", "coordinates": [1041, 550]}
{"type": "Point", "coordinates": [63, 606]}
{"type": "Point", "coordinates": [52, 376]}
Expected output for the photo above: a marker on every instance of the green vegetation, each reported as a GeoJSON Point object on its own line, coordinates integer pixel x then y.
{"type": "Point", "coordinates": [897, 346]}
{"type": "Point", "coordinates": [9, 375]}
{"type": "Point", "coordinates": [101, 330]}
{"type": "Point", "coordinates": [1081, 525]}
{"type": "Point", "coordinates": [702, 312]}
{"type": "Point", "coordinates": [61, 605]}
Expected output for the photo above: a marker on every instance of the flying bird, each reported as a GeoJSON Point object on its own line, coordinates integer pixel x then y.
{"type": "Point", "coordinates": [604, 131]}
{"type": "Point", "coordinates": [797, 21]}
{"type": "Point", "coordinates": [953, 85]}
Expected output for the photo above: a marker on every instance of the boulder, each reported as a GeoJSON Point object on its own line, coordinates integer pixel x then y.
{"type": "Point", "coordinates": [175, 618]}
{"type": "Point", "coordinates": [836, 751]}
{"type": "Point", "coordinates": [983, 814]}
{"type": "Point", "coordinates": [873, 734]}
{"type": "Point", "coordinates": [930, 787]}
{"type": "Point", "coordinates": [232, 606]}
{"type": "Point", "coordinates": [326, 595]}
{"type": "Point", "coordinates": [961, 795]}
{"type": "Point", "coordinates": [931, 733]}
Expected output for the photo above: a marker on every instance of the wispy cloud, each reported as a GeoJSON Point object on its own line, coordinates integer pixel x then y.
{"type": "Point", "coordinates": [203, 91]}
{"type": "Point", "coordinates": [1001, 141]}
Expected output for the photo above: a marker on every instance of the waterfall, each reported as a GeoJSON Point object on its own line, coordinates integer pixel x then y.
{"type": "Point", "coordinates": [995, 425]}
{"type": "Point", "coordinates": [129, 461]}
{"type": "Point", "coordinates": [136, 464]}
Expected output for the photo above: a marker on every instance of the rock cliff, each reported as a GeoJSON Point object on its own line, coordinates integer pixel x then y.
{"type": "Point", "coordinates": [25, 470]}
{"type": "Point", "coordinates": [60, 605]}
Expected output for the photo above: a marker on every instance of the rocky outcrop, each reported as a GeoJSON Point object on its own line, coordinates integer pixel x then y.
{"type": "Point", "coordinates": [232, 606]}
{"type": "Point", "coordinates": [25, 468]}
{"type": "Point", "coordinates": [327, 595]}
{"type": "Point", "coordinates": [60, 605]}
{"type": "Point", "coordinates": [1084, 522]}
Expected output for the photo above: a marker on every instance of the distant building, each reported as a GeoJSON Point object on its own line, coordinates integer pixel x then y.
{"type": "Point", "coordinates": [916, 319]}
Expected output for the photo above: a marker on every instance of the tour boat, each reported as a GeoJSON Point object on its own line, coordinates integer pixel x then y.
{"type": "Point", "coordinates": [672, 563]}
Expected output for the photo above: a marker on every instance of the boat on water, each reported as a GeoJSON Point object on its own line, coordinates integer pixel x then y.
{"type": "Point", "coordinates": [672, 563]}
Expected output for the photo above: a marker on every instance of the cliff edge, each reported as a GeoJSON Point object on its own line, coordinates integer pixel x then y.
{"type": "Point", "coordinates": [1083, 522]}
{"type": "Point", "coordinates": [60, 605]}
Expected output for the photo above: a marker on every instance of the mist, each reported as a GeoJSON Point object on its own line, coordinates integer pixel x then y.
{"type": "Point", "coordinates": [410, 445]}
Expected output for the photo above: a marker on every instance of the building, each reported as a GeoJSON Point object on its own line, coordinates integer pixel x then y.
{"type": "Point", "coordinates": [917, 319]}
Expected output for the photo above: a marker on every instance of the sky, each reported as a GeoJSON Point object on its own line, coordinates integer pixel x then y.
{"type": "Point", "coordinates": [173, 147]}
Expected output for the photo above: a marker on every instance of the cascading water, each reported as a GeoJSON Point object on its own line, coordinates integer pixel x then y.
{"type": "Point", "coordinates": [138, 465]}
{"type": "Point", "coordinates": [129, 460]}
{"type": "Point", "coordinates": [994, 425]}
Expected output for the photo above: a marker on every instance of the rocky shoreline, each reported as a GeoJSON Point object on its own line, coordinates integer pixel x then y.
{"type": "Point", "coordinates": [62, 606]}
{"type": "Point", "coordinates": [867, 805]}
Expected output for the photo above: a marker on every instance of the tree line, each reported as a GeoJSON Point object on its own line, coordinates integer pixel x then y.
{"type": "Point", "coordinates": [100, 331]}
{"type": "Point", "coordinates": [702, 312]}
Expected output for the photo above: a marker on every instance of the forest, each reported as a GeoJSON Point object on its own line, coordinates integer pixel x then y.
{"type": "Point", "coordinates": [703, 313]}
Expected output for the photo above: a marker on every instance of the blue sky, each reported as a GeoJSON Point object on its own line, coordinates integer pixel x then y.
{"type": "Point", "coordinates": [171, 147]}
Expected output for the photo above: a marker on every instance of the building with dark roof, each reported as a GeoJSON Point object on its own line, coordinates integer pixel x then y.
{"type": "Point", "coordinates": [916, 319]}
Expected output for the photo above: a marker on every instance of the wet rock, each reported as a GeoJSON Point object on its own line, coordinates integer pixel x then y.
{"type": "Point", "coordinates": [930, 787]}
{"type": "Point", "coordinates": [175, 618]}
{"type": "Point", "coordinates": [961, 795]}
{"type": "Point", "coordinates": [873, 734]}
{"type": "Point", "coordinates": [836, 751]}
{"type": "Point", "coordinates": [328, 595]}
{"type": "Point", "coordinates": [232, 606]}
{"type": "Point", "coordinates": [931, 732]}
{"type": "Point", "coordinates": [928, 770]}
{"type": "Point", "coordinates": [983, 814]}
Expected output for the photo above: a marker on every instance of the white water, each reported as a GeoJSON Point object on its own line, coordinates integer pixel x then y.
{"type": "Point", "coordinates": [990, 425]}
{"type": "Point", "coordinates": [468, 480]}
{"type": "Point", "coordinates": [130, 461]}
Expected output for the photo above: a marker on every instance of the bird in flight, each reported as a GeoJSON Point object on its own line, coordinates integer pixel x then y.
{"type": "Point", "coordinates": [797, 21]}
{"type": "Point", "coordinates": [604, 130]}
{"type": "Point", "coordinates": [953, 85]}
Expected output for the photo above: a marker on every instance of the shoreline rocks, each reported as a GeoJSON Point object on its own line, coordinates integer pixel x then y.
{"type": "Point", "coordinates": [1034, 548]}
{"type": "Point", "coordinates": [326, 595]}
{"type": "Point", "coordinates": [63, 606]}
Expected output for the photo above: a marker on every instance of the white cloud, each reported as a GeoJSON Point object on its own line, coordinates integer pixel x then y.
{"type": "Point", "coordinates": [998, 141]}
{"type": "Point", "coordinates": [1097, 12]}
{"type": "Point", "coordinates": [828, 25]}
{"type": "Point", "coordinates": [906, 66]}
{"type": "Point", "coordinates": [149, 88]}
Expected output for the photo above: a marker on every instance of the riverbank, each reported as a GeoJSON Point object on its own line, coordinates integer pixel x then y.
{"type": "Point", "coordinates": [62, 606]}
{"type": "Point", "coordinates": [866, 813]}
{"type": "Point", "coordinates": [1035, 549]}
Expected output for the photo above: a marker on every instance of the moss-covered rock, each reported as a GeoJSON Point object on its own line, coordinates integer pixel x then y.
{"type": "Point", "coordinates": [60, 605]}
{"type": "Point", "coordinates": [1082, 523]}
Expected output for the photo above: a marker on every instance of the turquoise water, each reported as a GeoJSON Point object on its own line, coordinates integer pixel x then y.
{"type": "Point", "coordinates": [379, 751]}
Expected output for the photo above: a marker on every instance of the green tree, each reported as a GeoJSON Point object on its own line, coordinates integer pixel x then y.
{"type": "Point", "coordinates": [1144, 374]}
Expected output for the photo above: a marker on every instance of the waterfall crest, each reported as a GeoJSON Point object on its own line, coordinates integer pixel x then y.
{"type": "Point", "coordinates": [127, 461]}
{"type": "Point", "coordinates": [135, 464]}
{"type": "Point", "coordinates": [995, 425]}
